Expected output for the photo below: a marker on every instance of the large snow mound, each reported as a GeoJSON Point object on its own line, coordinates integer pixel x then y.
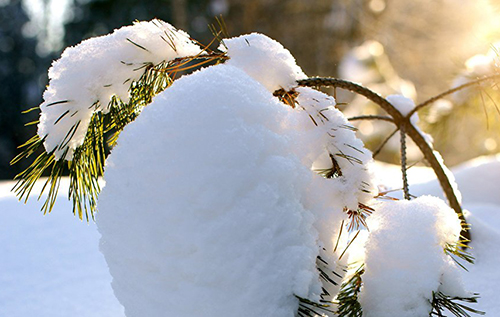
{"type": "Point", "coordinates": [204, 210]}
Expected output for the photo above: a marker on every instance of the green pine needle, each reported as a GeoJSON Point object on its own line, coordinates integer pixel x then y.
{"type": "Point", "coordinates": [347, 299]}
{"type": "Point", "coordinates": [458, 250]}
{"type": "Point", "coordinates": [87, 164]}
{"type": "Point", "coordinates": [308, 308]}
{"type": "Point", "coordinates": [441, 302]}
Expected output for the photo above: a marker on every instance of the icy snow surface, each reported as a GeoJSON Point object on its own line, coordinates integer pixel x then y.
{"type": "Point", "coordinates": [95, 70]}
{"type": "Point", "coordinates": [218, 203]}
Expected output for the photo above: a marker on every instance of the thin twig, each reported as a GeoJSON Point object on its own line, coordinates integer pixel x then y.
{"type": "Point", "coordinates": [450, 91]}
{"type": "Point", "coordinates": [406, 189]}
{"type": "Point", "coordinates": [381, 146]}
{"type": "Point", "coordinates": [371, 117]}
{"type": "Point", "coordinates": [485, 110]}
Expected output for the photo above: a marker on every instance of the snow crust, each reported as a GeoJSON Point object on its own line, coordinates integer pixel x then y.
{"type": "Point", "coordinates": [217, 212]}
{"type": "Point", "coordinates": [263, 59]}
{"type": "Point", "coordinates": [87, 75]}
{"type": "Point", "coordinates": [404, 258]}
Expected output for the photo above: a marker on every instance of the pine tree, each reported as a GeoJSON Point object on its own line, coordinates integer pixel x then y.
{"type": "Point", "coordinates": [77, 128]}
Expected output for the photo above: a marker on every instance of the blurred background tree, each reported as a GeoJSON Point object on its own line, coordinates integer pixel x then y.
{"type": "Point", "coordinates": [20, 83]}
{"type": "Point", "coordinates": [392, 46]}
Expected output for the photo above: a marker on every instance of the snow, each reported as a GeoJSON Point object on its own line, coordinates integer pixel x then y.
{"type": "Point", "coordinates": [88, 75]}
{"type": "Point", "coordinates": [318, 130]}
{"type": "Point", "coordinates": [405, 105]}
{"type": "Point", "coordinates": [233, 206]}
{"type": "Point", "coordinates": [403, 234]}
{"type": "Point", "coordinates": [483, 276]}
{"type": "Point", "coordinates": [330, 133]}
{"type": "Point", "coordinates": [479, 65]}
{"type": "Point", "coordinates": [263, 59]}
{"type": "Point", "coordinates": [477, 180]}
{"type": "Point", "coordinates": [212, 190]}
{"type": "Point", "coordinates": [51, 265]}
{"type": "Point", "coordinates": [229, 149]}
{"type": "Point", "coordinates": [476, 66]}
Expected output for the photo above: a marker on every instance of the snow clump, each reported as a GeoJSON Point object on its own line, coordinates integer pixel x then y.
{"type": "Point", "coordinates": [263, 59]}
{"type": "Point", "coordinates": [405, 105]}
{"type": "Point", "coordinates": [404, 258]}
{"type": "Point", "coordinates": [88, 75]}
{"type": "Point", "coordinates": [334, 135]}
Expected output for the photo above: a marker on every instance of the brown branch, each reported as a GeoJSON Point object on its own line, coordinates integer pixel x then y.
{"type": "Point", "coordinates": [406, 188]}
{"type": "Point", "coordinates": [371, 117]}
{"type": "Point", "coordinates": [400, 121]}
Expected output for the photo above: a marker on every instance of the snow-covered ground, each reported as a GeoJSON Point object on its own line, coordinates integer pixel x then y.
{"type": "Point", "coordinates": [51, 265]}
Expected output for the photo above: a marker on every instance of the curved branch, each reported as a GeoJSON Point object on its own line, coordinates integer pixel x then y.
{"type": "Point", "coordinates": [371, 117]}
{"type": "Point", "coordinates": [356, 88]}
{"type": "Point", "coordinates": [400, 121]}
{"type": "Point", "coordinates": [450, 91]}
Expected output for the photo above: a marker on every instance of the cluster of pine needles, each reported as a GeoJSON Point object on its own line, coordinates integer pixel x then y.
{"type": "Point", "coordinates": [87, 163]}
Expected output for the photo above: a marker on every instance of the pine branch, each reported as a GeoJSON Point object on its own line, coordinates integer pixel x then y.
{"type": "Point", "coordinates": [331, 172]}
{"type": "Point", "coordinates": [440, 302]}
{"type": "Point", "coordinates": [399, 120]}
{"type": "Point", "coordinates": [87, 164]}
{"type": "Point", "coordinates": [288, 97]}
{"type": "Point", "coordinates": [347, 299]}
{"type": "Point", "coordinates": [357, 218]}
{"type": "Point", "coordinates": [451, 91]}
{"type": "Point", "coordinates": [308, 308]}
{"type": "Point", "coordinates": [371, 117]}
{"type": "Point", "coordinates": [458, 250]}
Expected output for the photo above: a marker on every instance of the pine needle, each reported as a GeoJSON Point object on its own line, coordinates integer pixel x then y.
{"type": "Point", "coordinates": [87, 164]}
{"type": "Point", "coordinates": [139, 46]}
{"type": "Point", "coordinates": [348, 245]}
{"type": "Point", "coordinates": [440, 302]}
{"type": "Point", "coordinates": [347, 299]}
